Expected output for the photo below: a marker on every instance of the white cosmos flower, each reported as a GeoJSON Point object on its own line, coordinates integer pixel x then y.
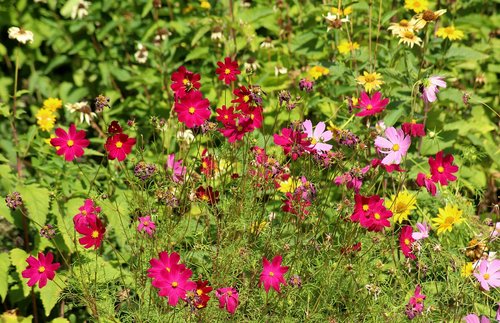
{"type": "Point", "coordinates": [21, 35]}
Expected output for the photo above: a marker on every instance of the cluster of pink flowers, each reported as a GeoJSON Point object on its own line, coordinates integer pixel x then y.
{"type": "Point", "coordinates": [118, 145]}
{"type": "Point", "coordinates": [371, 213]}
{"type": "Point", "coordinates": [88, 223]}
{"type": "Point", "coordinates": [441, 171]}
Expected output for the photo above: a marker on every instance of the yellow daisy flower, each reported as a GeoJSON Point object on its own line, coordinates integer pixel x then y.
{"type": "Point", "coordinates": [318, 71]}
{"type": "Point", "coordinates": [371, 81]}
{"type": "Point", "coordinates": [346, 47]}
{"type": "Point", "coordinates": [447, 218]}
{"type": "Point", "coordinates": [398, 27]}
{"type": "Point", "coordinates": [401, 205]}
{"type": "Point", "coordinates": [409, 38]}
{"type": "Point", "coordinates": [417, 5]}
{"type": "Point", "coordinates": [45, 119]}
{"type": "Point", "coordinates": [52, 104]}
{"type": "Point", "coordinates": [205, 4]}
{"type": "Point", "coordinates": [467, 269]}
{"type": "Point", "coordinates": [450, 32]}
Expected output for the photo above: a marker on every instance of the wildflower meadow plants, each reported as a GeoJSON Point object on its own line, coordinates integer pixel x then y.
{"type": "Point", "coordinates": [252, 162]}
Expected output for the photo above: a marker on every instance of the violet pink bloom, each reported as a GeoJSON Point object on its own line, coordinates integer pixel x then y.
{"type": "Point", "coordinates": [228, 298]}
{"type": "Point", "coordinates": [489, 274]}
{"type": "Point", "coordinates": [473, 318]}
{"type": "Point", "coordinates": [423, 231]}
{"type": "Point", "coordinates": [40, 270]}
{"type": "Point", "coordinates": [373, 105]}
{"type": "Point", "coordinates": [395, 145]}
{"type": "Point", "coordinates": [146, 225]}
{"type": "Point", "coordinates": [174, 284]}
{"type": "Point", "coordinates": [178, 171]}
{"type": "Point", "coordinates": [272, 273]}
{"type": "Point", "coordinates": [431, 87]}
{"type": "Point", "coordinates": [318, 137]}
{"type": "Point", "coordinates": [496, 232]}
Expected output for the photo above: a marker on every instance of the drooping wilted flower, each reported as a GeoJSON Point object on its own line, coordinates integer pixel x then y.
{"type": "Point", "coordinates": [84, 109]}
{"type": "Point", "coordinates": [101, 102]}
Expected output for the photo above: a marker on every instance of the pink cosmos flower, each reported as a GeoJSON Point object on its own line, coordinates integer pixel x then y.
{"type": "Point", "coordinates": [425, 180]}
{"type": "Point", "coordinates": [405, 241]}
{"type": "Point", "coordinates": [489, 274]}
{"type": "Point", "coordinates": [371, 106]}
{"type": "Point", "coordinates": [164, 264]}
{"type": "Point", "coordinates": [228, 70]}
{"type": "Point", "coordinates": [93, 233]}
{"type": "Point", "coordinates": [395, 145]}
{"type": "Point", "coordinates": [226, 115]}
{"type": "Point", "coordinates": [377, 219]}
{"type": "Point", "coordinates": [318, 137]}
{"type": "Point", "coordinates": [193, 110]}
{"type": "Point", "coordinates": [272, 273]}
{"type": "Point", "coordinates": [413, 129]}
{"type": "Point", "coordinates": [294, 143]}
{"type": "Point", "coordinates": [431, 88]}
{"type": "Point", "coordinates": [416, 304]}
{"type": "Point", "coordinates": [184, 81]}
{"type": "Point", "coordinates": [71, 143]}
{"type": "Point", "coordinates": [423, 231]}
{"type": "Point", "coordinates": [228, 298]}
{"type": "Point", "coordinates": [237, 130]}
{"type": "Point", "coordinates": [178, 171]}
{"type": "Point", "coordinates": [174, 284]}
{"type": "Point", "coordinates": [41, 269]}
{"type": "Point", "coordinates": [473, 318]}
{"type": "Point", "coordinates": [146, 225]}
{"type": "Point", "coordinates": [119, 146]}
{"type": "Point", "coordinates": [87, 210]}
{"type": "Point", "coordinates": [442, 168]}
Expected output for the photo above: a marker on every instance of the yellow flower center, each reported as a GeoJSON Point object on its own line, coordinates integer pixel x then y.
{"type": "Point", "coordinates": [70, 143]}
{"type": "Point", "coordinates": [416, 4]}
{"type": "Point", "coordinates": [229, 293]}
{"type": "Point", "coordinates": [400, 207]}
{"type": "Point", "coordinates": [185, 81]}
{"type": "Point", "coordinates": [366, 207]}
{"type": "Point", "coordinates": [191, 110]}
{"type": "Point", "coordinates": [227, 71]}
{"type": "Point", "coordinates": [408, 34]}
{"type": "Point", "coordinates": [95, 234]}
{"type": "Point", "coordinates": [175, 284]}
{"type": "Point", "coordinates": [167, 269]}
{"type": "Point", "coordinates": [485, 276]}
{"type": "Point", "coordinates": [119, 144]}
{"type": "Point", "coordinates": [199, 292]}
{"type": "Point", "coordinates": [146, 223]}
{"type": "Point", "coordinates": [246, 98]}
{"type": "Point", "coordinates": [413, 121]}
{"type": "Point", "coordinates": [449, 221]}
{"type": "Point", "coordinates": [314, 141]}
{"type": "Point", "coordinates": [271, 274]}
{"type": "Point", "coordinates": [440, 169]}
{"type": "Point", "coordinates": [369, 78]}
{"type": "Point", "coordinates": [407, 241]}
{"type": "Point", "coordinates": [376, 216]}
{"type": "Point", "coordinates": [404, 23]}
{"type": "Point", "coordinates": [84, 212]}
{"type": "Point", "coordinates": [369, 107]}
{"type": "Point", "coordinates": [395, 147]}
{"type": "Point", "coordinates": [41, 269]}
{"type": "Point", "coordinates": [449, 30]}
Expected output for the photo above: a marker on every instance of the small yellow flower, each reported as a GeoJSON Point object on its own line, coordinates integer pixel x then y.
{"type": "Point", "coordinates": [346, 12]}
{"type": "Point", "coordinates": [289, 186]}
{"type": "Point", "coordinates": [467, 270]}
{"type": "Point", "coordinates": [346, 47]}
{"type": "Point", "coordinates": [371, 81]}
{"type": "Point", "coordinates": [409, 38]}
{"type": "Point", "coordinates": [205, 4]}
{"type": "Point", "coordinates": [52, 104]}
{"type": "Point", "coordinates": [257, 227]}
{"type": "Point", "coordinates": [417, 5]}
{"type": "Point", "coordinates": [401, 205]}
{"type": "Point", "coordinates": [317, 71]}
{"type": "Point", "coordinates": [45, 119]}
{"type": "Point", "coordinates": [447, 218]}
{"type": "Point", "coordinates": [450, 32]}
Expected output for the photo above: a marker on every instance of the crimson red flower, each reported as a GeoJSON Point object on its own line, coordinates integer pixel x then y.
{"type": "Point", "coordinates": [201, 294]}
{"type": "Point", "coordinates": [294, 143]}
{"type": "Point", "coordinates": [208, 164]}
{"type": "Point", "coordinates": [295, 204]}
{"type": "Point", "coordinates": [256, 115]}
{"type": "Point", "coordinates": [208, 195]}
{"type": "Point", "coordinates": [371, 213]}
{"type": "Point", "coordinates": [226, 115]}
{"type": "Point", "coordinates": [272, 274]}
{"type": "Point", "coordinates": [71, 143]}
{"type": "Point", "coordinates": [244, 97]}
{"type": "Point", "coordinates": [93, 232]}
{"type": "Point", "coordinates": [87, 210]}
{"type": "Point", "coordinates": [442, 168]}
{"type": "Point", "coordinates": [193, 110]}
{"type": "Point", "coordinates": [228, 70]}
{"type": "Point", "coordinates": [114, 128]}
{"type": "Point", "coordinates": [41, 269]}
{"type": "Point", "coordinates": [184, 81]}
{"type": "Point", "coordinates": [426, 180]}
{"type": "Point", "coordinates": [236, 131]}
{"type": "Point", "coordinates": [413, 129]}
{"type": "Point", "coordinates": [364, 205]}
{"type": "Point", "coordinates": [119, 146]}
{"type": "Point", "coordinates": [406, 240]}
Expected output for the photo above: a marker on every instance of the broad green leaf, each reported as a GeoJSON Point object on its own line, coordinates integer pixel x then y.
{"type": "Point", "coordinates": [465, 53]}
{"type": "Point", "coordinates": [4, 274]}
{"type": "Point", "coordinates": [36, 200]}
{"type": "Point", "coordinates": [18, 259]}
{"type": "Point", "coordinates": [51, 292]}
{"type": "Point", "coordinates": [59, 320]}
{"type": "Point", "coordinates": [13, 318]}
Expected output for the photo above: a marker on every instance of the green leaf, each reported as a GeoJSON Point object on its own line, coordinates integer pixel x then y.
{"type": "Point", "coordinates": [59, 320]}
{"type": "Point", "coordinates": [197, 53]}
{"type": "Point", "coordinates": [465, 53]}
{"type": "Point", "coordinates": [36, 200]}
{"type": "Point", "coordinates": [51, 292]}
{"type": "Point", "coordinates": [18, 259]}
{"type": "Point", "coordinates": [4, 274]}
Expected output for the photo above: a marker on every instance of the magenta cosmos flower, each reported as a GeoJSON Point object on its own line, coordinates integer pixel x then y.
{"type": "Point", "coordinates": [146, 225]}
{"type": "Point", "coordinates": [294, 143]}
{"type": "Point", "coordinates": [71, 143]}
{"type": "Point", "coordinates": [93, 232]}
{"type": "Point", "coordinates": [395, 144]}
{"type": "Point", "coordinates": [442, 168]}
{"type": "Point", "coordinates": [193, 110]}
{"type": "Point", "coordinates": [489, 274]}
{"type": "Point", "coordinates": [371, 105]}
{"type": "Point", "coordinates": [165, 263]}
{"type": "Point", "coordinates": [174, 284]}
{"type": "Point", "coordinates": [184, 81]}
{"type": "Point", "coordinates": [119, 146]}
{"type": "Point", "coordinates": [228, 70]}
{"type": "Point", "coordinates": [41, 269]}
{"type": "Point", "coordinates": [178, 171]}
{"type": "Point", "coordinates": [431, 88]}
{"type": "Point", "coordinates": [473, 318]}
{"type": "Point", "coordinates": [318, 136]}
{"type": "Point", "coordinates": [426, 180]}
{"type": "Point", "coordinates": [272, 274]}
{"type": "Point", "coordinates": [87, 211]}
{"type": "Point", "coordinates": [406, 240]}
{"type": "Point", "coordinates": [228, 298]}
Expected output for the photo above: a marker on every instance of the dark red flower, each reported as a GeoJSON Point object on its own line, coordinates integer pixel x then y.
{"type": "Point", "coordinates": [228, 70]}
{"type": "Point", "coordinates": [119, 146]}
{"type": "Point", "coordinates": [236, 131]}
{"type": "Point", "coordinates": [414, 129]}
{"type": "Point", "coordinates": [93, 232]}
{"type": "Point", "coordinates": [442, 168]}
{"type": "Point", "coordinates": [201, 297]}
{"type": "Point", "coordinates": [208, 164]}
{"type": "Point", "coordinates": [184, 81]}
{"type": "Point", "coordinates": [388, 168]}
{"type": "Point", "coordinates": [114, 128]}
{"type": "Point", "coordinates": [406, 240]}
{"type": "Point", "coordinates": [226, 115]}
{"type": "Point", "coordinates": [244, 97]}
{"type": "Point", "coordinates": [426, 180]}
{"type": "Point", "coordinates": [207, 195]}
